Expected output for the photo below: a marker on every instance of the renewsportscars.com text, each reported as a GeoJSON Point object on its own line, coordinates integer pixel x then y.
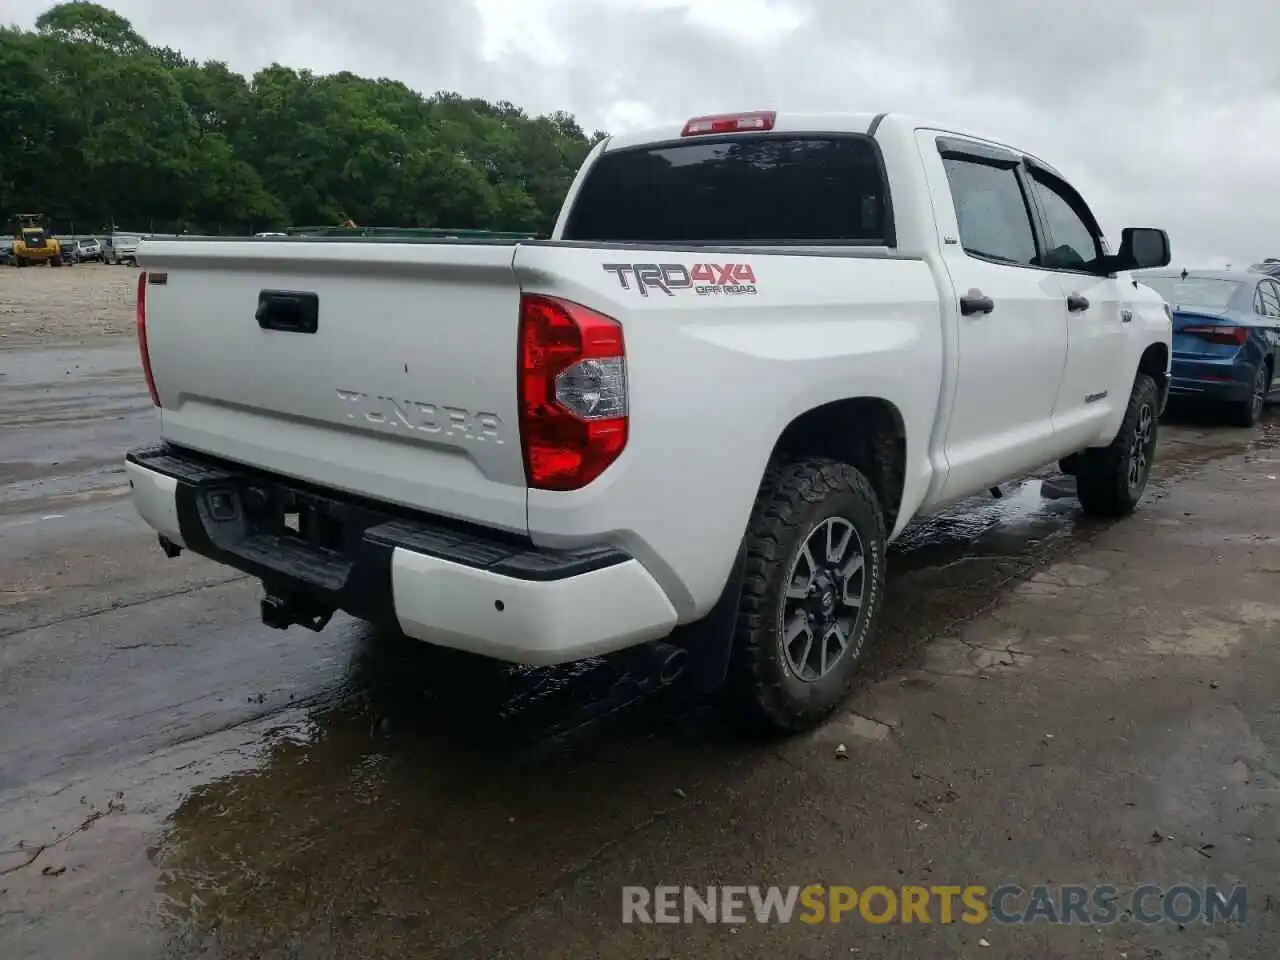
{"type": "Point", "coordinates": [972, 904]}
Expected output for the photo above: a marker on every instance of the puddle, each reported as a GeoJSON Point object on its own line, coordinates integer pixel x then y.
{"type": "Point", "coordinates": [405, 801]}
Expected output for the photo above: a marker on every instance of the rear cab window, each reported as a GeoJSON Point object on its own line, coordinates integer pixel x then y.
{"type": "Point", "coordinates": [1203, 292]}
{"type": "Point", "coordinates": [761, 188]}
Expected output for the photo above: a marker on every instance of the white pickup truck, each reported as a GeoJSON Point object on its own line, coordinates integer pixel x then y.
{"type": "Point", "coordinates": [753, 349]}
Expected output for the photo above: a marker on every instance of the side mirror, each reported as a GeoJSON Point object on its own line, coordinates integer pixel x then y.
{"type": "Point", "coordinates": [1142, 248]}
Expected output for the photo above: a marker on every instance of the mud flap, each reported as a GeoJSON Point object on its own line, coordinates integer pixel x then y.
{"type": "Point", "coordinates": [709, 642]}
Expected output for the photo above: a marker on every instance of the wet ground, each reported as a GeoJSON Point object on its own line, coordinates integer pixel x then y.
{"type": "Point", "coordinates": [1050, 701]}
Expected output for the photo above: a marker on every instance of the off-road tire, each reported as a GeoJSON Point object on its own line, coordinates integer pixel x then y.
{"type": "Point", "coordinates": [1247, 413]}
{"type": "Point", "coordinates": [794, 500]}
{"type": "Point", "coordinates": [1103, 473]}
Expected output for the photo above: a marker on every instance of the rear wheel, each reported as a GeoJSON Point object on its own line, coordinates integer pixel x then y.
{"type": "Point", "coordinates": [811, 594]}
{"type": "Point", "coordinates": [1248, 412]}
{"type": "Point", "coordinates": [55, 261]}
{"type": "Point", "coordinates": [1110, 480]}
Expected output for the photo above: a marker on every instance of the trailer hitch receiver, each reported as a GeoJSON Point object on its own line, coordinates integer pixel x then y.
{"type": "Point", "coordinates": [282, 612]}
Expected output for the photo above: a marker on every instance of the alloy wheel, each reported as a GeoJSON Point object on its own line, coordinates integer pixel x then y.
{"type": "Point", "coordinates": [826, 587]}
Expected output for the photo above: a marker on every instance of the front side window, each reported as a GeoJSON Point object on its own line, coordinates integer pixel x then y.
{"type": "Point", "coordinates": [1073, 245]}
{"type": "Point", "coordinates": [991, 210]}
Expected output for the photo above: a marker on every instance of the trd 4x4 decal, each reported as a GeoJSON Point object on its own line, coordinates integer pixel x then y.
{"type": "Point", "coordinates": [704, 279]}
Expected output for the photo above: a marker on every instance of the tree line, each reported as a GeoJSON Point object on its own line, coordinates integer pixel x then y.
{"type": "Point", "coordinates": [99, 128]}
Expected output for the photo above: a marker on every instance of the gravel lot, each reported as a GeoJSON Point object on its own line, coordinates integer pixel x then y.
{"type": "Point", "coordinates": [1051, 700]}
{"type": "Point", "coordinates": [43, 306]}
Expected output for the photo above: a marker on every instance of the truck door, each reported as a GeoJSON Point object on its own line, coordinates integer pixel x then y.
{"type": "Point", "coordinates": [1011, 341]}
{"type": "Point", "coordinates": [1097, 376]}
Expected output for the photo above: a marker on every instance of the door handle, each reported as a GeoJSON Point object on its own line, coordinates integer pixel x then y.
{"type": "Point", "coordinates": [288, 311]}
{"type": "Point", "coordinates": [975, 301]}
{"type": "Point", "coordinates": [1076, 303]}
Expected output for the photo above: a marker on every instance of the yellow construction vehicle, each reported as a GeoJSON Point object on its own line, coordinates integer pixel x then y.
{"type": "Point", "coordinates": [32, 244]}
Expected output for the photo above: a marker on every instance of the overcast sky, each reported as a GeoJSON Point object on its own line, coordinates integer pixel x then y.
{"type": "Point", "coordinates": [1163, 112]}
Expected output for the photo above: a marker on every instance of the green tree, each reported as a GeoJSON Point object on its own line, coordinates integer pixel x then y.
{"type": "Point", "coordinates": [99, 127]}
{"type": "Point", "coordinates": [84, 22]}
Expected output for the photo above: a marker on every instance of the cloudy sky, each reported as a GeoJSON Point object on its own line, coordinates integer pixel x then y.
{"type": "Point", "coordinates": [1163, 112]}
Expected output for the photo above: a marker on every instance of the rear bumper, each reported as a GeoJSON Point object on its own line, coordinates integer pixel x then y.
{"type": "Point", "coordinates": [447, 583]}
{"type": "Point", "coordinates": [1216, 380]}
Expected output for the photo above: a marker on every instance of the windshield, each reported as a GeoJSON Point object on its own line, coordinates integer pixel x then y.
{"type": "Point", "coordinates": [1194, 291]}
{"type": "Point", "coordinates": [793, 188]}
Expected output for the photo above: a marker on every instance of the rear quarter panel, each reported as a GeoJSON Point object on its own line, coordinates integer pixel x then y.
{"type": "Point", "coordinates": [1263, 344]}
{"type": "Point", "coordinates": [715, 378]}
{"type": "Point", "coordinates": [1261, 347]}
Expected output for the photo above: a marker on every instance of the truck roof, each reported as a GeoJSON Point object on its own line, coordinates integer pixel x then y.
{"type": "Point", "coordinates": [784, 123]}
{"type": "Point", "coordinates": [811, 122]}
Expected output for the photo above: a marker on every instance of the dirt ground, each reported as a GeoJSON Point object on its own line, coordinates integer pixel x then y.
{"type": "Point", "coordinates": [1051, 701]}
{"type": "Point", "coordinates": [44, 306]}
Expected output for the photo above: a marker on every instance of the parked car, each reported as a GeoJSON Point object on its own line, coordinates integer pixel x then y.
{"type": "Point", "coordinates": [1269, 266]}
{"type": "Point", "coordinates": [689, 422]}
{"type": "Point", "coordinates": [124, 249]}
{"type": "Point", "coordinates": [1226, 337]}
{"type": "Point", "coordinates": [6, 253]}
{"type": "Point", "coordinates": [90, 250]}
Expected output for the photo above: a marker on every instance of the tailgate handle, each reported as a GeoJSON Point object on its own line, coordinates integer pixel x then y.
{"type": "Point", "coordinates": [288, 311]}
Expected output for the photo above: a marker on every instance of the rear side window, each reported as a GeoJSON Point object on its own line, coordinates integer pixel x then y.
{"type": "Point", "coordinates": [992, 213]}
{"type": "Point", "coordinates": [1270, 301]}
{"type": "Point", "coordinates": [745, 189]}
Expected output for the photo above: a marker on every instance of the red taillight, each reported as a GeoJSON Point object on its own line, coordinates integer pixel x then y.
{"type": "Point", "coordinates": [1233, 336]}
{"type": "Point", "coordinates": [142, 337]}
{"type": "Point", "coordinates": [730, 123]}
{"type": "Point", "coordinates": [573, 392]}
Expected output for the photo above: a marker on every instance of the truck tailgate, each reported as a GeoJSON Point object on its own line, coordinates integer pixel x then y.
{"type": "Point", "coordinates": [403, 389]}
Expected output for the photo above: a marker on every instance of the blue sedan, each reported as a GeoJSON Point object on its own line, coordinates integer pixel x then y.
{"type": "Point", "coordinates": [1226, 337]}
